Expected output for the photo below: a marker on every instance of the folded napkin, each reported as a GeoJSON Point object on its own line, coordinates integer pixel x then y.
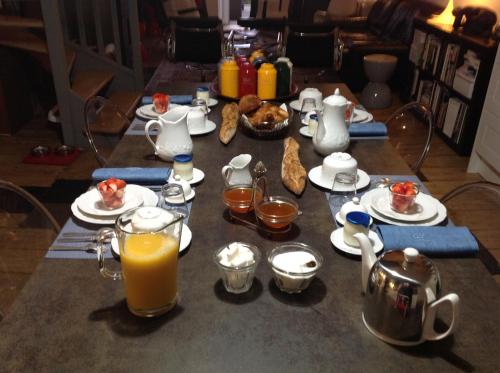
{"type": "Point", "coordinates": [174, 99]}
{"type": "Point", "coordinates": [367, 129]}
{"type": "Point", "coordinates": [437, 241]}
{"type": "Point", "coordinates": [134, 175]}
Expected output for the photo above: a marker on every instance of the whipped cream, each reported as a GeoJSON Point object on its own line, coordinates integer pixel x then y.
{"type": "Point", "coordinates": [236, 255]}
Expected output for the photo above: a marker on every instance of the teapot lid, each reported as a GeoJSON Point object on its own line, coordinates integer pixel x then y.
{"type": "Point", "coordinates": [336, 99]}
{"type": "Point", "coordinates": [412, 266]}
{"type": "Point", "coordinates": [150, 219]}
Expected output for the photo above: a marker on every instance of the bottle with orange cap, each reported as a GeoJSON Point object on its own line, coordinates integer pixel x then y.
{"type": "Point", "coordinates": [266, 82]}
{"type": "Point", "coordinates": [229, 76]}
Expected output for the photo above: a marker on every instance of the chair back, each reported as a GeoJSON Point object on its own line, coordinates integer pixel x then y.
{"type": "Point", "coordinates": [27, 229]}
{"type": "Point", "coordinates": [407, 134]}
{"type": "Point", "coordinates": [101, 114]}
{"type": "Point", "coordinates": [310, 45]}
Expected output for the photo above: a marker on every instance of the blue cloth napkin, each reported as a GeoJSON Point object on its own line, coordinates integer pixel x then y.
{"type": "Point", "coordinates": [134, 175]}
{"type": "Point", "coordinates": [174, 99]}
{"type": "Point", "coordinates": [437, 241]}
{"type": "Point", "coordinates": [367, 129]}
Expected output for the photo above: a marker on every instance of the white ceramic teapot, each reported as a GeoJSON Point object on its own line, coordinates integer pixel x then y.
{"type": "Point", "coordinates": [402, 296]}
{"type": "Point", "coordinates": [173, 135]}
{"type": "Point", "coordinates": [332, 134]}
{"type": "Point", "coordinates": [237, 172]}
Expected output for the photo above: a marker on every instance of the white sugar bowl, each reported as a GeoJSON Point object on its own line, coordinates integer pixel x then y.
{"type": "Point", "coordinates": [354, 205]}
{"type": "Point", "coordinates": [336, 163]}
{"type": "Point", "coordinates": [186, 187]}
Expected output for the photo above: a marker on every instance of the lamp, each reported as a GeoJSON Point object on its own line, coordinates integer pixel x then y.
{"type": "Point", "coordinates": [446, 18]}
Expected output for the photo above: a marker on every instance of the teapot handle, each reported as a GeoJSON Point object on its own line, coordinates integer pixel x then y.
{"type": "Point", "coordinates": [152, 123]}
{"type": "Point", "coordinates": [227, 171]}
{"type": "Point", "coordinates": [428, 329]}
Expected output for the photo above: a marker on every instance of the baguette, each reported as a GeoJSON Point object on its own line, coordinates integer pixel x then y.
{"type": "Point", "coordinates": [293, 174]}
{"type": "Point", "coordinates": [230, 116]}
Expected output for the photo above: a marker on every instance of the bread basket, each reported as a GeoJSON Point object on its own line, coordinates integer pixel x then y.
{"type": "Point", "coordinates": [269, 130]}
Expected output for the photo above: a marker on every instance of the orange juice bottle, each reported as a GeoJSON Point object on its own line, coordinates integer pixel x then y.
{"type": "Point", "coordinates": [266, 82]}
{"type": "Point", "coordinates": [229, 77]}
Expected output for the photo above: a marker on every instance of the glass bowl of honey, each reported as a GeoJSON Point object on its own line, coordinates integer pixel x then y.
{"type": "Point", "coordinates": [239, 198]}
{"type": "Point", "coordinates": [276, 212]}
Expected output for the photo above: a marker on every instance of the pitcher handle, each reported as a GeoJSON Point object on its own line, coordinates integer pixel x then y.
{"type": "Point", "coordinates": [350, 108]}
{"type": "Point", "coordinates": [428, 330]}
{"type": "Point", "coordinates": [103, 235]}
{"type": "Point", "coordinates": [227, 171]}
{"type": "Point", "coordinates": [151, 124]}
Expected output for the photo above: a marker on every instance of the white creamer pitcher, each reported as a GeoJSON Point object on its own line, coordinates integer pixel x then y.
{"type": "Point", "coordinates": [173, 135]}
{"type": "Point", "coordinates": [332, 134]}
{"type": "Point", "coordinates": [237, 172]}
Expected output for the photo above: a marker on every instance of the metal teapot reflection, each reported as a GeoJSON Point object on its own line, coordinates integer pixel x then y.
{"type": "Point", "coordinates": [402, 295]}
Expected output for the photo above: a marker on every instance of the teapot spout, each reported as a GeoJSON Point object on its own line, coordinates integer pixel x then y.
{"type": "Point", "coordinates": [368, 258]}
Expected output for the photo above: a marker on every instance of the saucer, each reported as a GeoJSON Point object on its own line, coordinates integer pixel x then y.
{"type": "Point", "coordinates": [424, 207]}
{"type": "Point", "coordinates": [148, 196]}
{"type": "Point", "coordinates": [315, 177]}
{"type": "Point", "coordinates": [212, 102]}
{"type": "Point", "coordinates": [295, 105]}
{"type": "Point", "coordinates": [360, 116]}
{"type": "Point", "coordinates": [209, 127]}
{"type": "Point", "coordinates": [186, 237]}
{"type": "Point", "coordinates": [188, 198]}
{"type": "Point", "coordinates": [198, 175]}
{"type": "Point", "coordinates": [148, 111]}
{"type": "Point", "coordinates": [342, 221]}
{"type": "Point", "coordinates": [90, 203]}
{"type": "Point", "coordinates": [435, 220]}
{"type": "Point", "coordinates": [337, 239]}
{"type": "Point", "coordinates": [304, 131]}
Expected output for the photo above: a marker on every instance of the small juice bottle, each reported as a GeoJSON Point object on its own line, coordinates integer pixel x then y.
{"type": "Point", "coordinates": [266, 82]}
{"type": "Point", "coordinates": [229, 79]}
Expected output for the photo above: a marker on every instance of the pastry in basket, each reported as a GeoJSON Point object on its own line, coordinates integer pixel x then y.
{"type": "Point", "coordinates": [249, 103]}
{"type": "Point", "coordinates": [267, 115]}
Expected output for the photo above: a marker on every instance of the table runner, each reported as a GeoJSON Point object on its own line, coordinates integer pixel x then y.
{"type": "Point", "coordinates": [75, 225]}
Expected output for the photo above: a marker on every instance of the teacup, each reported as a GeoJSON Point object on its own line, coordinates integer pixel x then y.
{"type": "Point", "coordinates": [338, 162]}
{"type": "Point", "coordinates": [196, 120]}
{"type": "Point", "coordinates": [313, 93]}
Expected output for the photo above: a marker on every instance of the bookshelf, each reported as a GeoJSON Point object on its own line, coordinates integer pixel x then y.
{"type": "Point", "coordinates": [451, 72]}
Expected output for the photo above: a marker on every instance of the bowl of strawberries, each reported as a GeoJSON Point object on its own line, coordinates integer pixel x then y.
{"type": "Point", "coordinates": [403, 196]}
{"type": "Point", "coordinates": [112, 192]}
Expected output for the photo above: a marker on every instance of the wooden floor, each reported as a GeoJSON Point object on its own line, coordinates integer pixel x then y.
{"type": "Point", "coordinates": [442, 171]}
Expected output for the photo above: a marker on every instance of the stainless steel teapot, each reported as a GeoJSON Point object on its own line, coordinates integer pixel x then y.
{"type": "Point", "coordinates": [402, 295]}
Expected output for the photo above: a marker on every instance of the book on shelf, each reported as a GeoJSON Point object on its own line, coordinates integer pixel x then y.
{"type": "Point", "coordinates": [417, 46]}
{"type": "Point", "coordinates": [465, 75]}
{"type": "Point", "coordinates": [414, 85]}
{"type": "Point", "coordinates": [442, 107]}
{"type": "Point", "coordinates": [436, 98]}
{"type": "Point", "coordinates": [454, 121]}
{"type": "Point", "coordinates": [432, 50]}
{"type": "Point", "coordinates": [449, 63]}
{"type": "Point", "coordinates": [425, 92]}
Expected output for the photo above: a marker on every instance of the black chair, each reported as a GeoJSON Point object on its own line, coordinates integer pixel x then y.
{"type": "Point", "coordinates": [197, 41]}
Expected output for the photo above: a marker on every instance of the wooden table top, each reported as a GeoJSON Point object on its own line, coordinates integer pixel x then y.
{"type": "Point", "coordinates": [70, 318]}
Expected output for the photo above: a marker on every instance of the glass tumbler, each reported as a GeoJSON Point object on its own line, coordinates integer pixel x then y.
{"type": "Point", "coordinates": [343, 190]}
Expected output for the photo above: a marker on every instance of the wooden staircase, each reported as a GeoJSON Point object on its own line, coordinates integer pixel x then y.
{"type": "Point", "coordinates": [89, 72]}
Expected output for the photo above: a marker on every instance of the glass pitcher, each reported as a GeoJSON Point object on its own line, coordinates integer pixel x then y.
{"type": "Point", "coordinates": [148, 240]}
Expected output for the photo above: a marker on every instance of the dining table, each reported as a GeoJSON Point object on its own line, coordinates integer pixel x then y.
{"type": "Point", "coordinates": [69, 318]}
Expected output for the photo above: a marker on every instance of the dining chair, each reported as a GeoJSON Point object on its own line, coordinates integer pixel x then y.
{"type": "Point", "coordinates": [407, 135]}
{"type": "Point", "coordinates": [102, 117]}
{"type": "Point", "coordinates": [477, 206]}
{"type": "Point", "coordinates": [27, 229]}
{"type": "Point", "coordinates": [197, 41]}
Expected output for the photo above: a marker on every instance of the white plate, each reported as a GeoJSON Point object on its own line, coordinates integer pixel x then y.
{"type": "Point", "coordinates": [315, 177]}
{"type": "Point", "coordinates": [149, 197]}
{"type": "Point", "coordinates": [337, 239]}
{"type": "Point", "coordinates": [209, 127]}
{"type": "Point", "coordinates": [188, 198]}
{"type": "Point", "coordinates": [342, 221]}
{"type": "Point", "coordinates": [367, 120]}
{"type": "Point", "coordinates": [212, 102]}
{"type": "Point", "coordinates": [198, 175]}
{"type": "Point", "coordinates": [360, 116]}
{"type": "Point", "coordinates": [424, 207]}
{"type": "Point", "coordinates": [148, 111]}
{"type": "Point", "coordinates": [296, 106]}
{"type": "Point", "coordinates": [435, 220]}
{"type": "Point", "coordinates": [90, 203]}
{"type": "Point", "coordinates": [304, 131]}
{"type": "Point", "coordinates": [186, 237]}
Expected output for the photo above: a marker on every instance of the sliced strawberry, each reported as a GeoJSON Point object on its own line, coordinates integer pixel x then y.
{"type": "Point", "coordinates": [120, 183]}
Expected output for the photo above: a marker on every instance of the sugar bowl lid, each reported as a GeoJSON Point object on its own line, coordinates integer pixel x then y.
{"type": "Point", "coordinates": [411, 266]}
{"type": "Point", "coordinates": [150, 219]}
{"type": "Point", "coordinates": [354, 205]}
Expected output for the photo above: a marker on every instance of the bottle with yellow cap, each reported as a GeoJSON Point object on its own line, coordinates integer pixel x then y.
{"type": "Point", "coordinates": [229, 75]}
{"type": "Point", "coordinates": [266, 82]}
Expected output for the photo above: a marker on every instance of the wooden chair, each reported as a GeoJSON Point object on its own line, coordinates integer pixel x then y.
{"type": "Point", "coordinates": [105, 118]}
{"type": "Point", "coordinates": [27, 229]}
{"type": "Point", "coordinates": [409, 133]}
